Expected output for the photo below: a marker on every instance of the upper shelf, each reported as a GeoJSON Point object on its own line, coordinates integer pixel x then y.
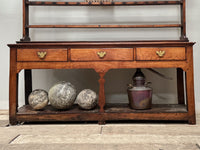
{"type": "Point", "coordinates": [48, 3]}
{"type": "Point", "coordinates": [181, 25]}
{"type": "Point", "coordinates": [107, 26]}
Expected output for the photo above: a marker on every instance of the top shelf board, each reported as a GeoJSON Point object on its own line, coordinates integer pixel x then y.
{"type": "Point", "coordinates": [138, 3]}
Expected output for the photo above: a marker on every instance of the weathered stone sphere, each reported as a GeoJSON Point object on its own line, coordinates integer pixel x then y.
{"type": "Point", "coordinates": [62, 95]}
{"type": "Point", "coordinates": [87, 99]}
{"type": "Point", "coordinates": [38, 99]}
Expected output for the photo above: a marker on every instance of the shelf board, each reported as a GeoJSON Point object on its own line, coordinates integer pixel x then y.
{"type": "Point", "coordinates": [99, 42]}
{"type": "Point", "coordinates": [107, 26]}
{"type": "Point", "coordinates": [112, 112]}
{"type": "Point", "coordinates": [156, 108]}
{"type": "Point", "coordinates": [27, 109]}
{"type": "Point", "coordinates": [110, 108]}
{"type": "Point", "coordinates": [138, 3]}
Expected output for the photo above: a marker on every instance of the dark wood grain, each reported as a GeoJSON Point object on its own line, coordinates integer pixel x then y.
{"type": "Point", "coordinates": [27, 109]}
{"type": "Point", "coordinates": [107, 26]}
{"type": "Point", "coordinates": [43, 41]}
{"type": "Point", "coordinates": [162, 108]}
{"type": "Point", "coordinates": [41, 3]}
{"type": "Point", "coordinates": [109, 108]}
{"type": "Point", "coordinates": [102, 44]}
{"type": "Point", "coordinates": [190, 87]}
{"type": "Point", "coordinates": [106, 116]}
{"type": "Point", "coordinates": [25, 21]}
{"type": "Point", "coordinates": [13, 87]}
{"type": "Point", "coordinates": [112, 112]}
{"type": "Point", "coordinates": [183, 21]}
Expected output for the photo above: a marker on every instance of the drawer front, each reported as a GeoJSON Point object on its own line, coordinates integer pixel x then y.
{"type": "Point", "coordinates": [160, 53]}
{"type": "Point", "coordinates": [42, 55]}
{"type": "Point", "coordinates": [101, 54]}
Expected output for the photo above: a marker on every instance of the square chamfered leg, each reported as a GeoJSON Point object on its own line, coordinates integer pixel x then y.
{"type": "Point", "coordinates": [190, 87]}
{"type": "Point", "coordinates": [190, 97]}
{"type": "Point", "coordinates": [13, 87]}
{"type": "Point", "coordinates": [28, 84]}
{"type": "Point", "coordinates": [180, 86]}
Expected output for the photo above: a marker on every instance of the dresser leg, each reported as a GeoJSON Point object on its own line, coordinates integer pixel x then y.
{"type": "Point", "coordinates": [192, 121]}
{"type": "Point", "coordinates": [180, 86]}
{"type": "Point", "coordinates": [28, 84]}
{"type": "Point", "coordinates": [13, 121]}
{"type": "Point", "coordinates": [13, 87]}
{"type": "Point", "coordinates": [102, 122]}
{"type": "Point", "coordinates": [190, 97]}
{"type": "Point", "coordinates": [102, 100]}
{"type": "Point", "coordinates": [190, 88]}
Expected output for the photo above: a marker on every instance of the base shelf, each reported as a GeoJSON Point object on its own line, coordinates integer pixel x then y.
{"type": "Point", "coordinates": [112, 112]}
{"type": "Point", "coordinates": [156, 108]}
{"type": "Point", "coordinates": [109, 108]}
{"type": "Point", "coordinates": [27, 109]}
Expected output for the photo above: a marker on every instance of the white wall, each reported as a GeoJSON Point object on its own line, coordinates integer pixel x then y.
{"type": "Point", "coordinates": [11, 30]}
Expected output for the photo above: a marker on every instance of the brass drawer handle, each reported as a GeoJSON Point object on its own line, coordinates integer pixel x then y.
{"type": "Point", "coordinates": [101, 54]}
{"type": "Point", "coordinates": [41, 55]}
{"type": "Point", "coordinates": [160, 53]}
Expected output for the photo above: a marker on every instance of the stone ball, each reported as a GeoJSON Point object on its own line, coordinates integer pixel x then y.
{"type": "Point", "coordinates": [38, 99]}
{"type": "Point", "coordinates": [87, 99]}
{"type": "Point", "coordinates": [62, 95]}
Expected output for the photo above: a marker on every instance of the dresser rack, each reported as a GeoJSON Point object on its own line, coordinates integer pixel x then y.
{"type": "Point", "coordinates": [27, 26]}
{"type": "Point", "coordinates": [119, 54]}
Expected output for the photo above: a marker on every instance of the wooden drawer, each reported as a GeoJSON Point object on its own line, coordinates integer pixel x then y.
{"type": "Point", "coordinates": [42, 55]}
{"type": "Point", "coordinates": [160, 53]}
{"type": "Point", "coordinates": [101, 54]}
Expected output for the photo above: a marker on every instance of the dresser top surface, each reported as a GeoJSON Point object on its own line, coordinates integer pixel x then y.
{"type": "Point", "coordinates": [103, 43]}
